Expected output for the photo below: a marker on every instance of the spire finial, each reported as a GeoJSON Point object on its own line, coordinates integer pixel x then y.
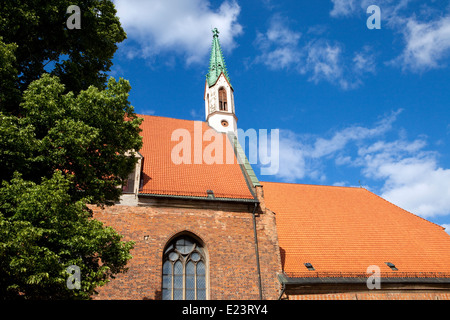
{"type": "Point", "coordinates": [215, 32]}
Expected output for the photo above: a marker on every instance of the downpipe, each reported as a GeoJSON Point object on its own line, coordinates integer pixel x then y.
{"type": "Point", "coordinates": [257, 252]}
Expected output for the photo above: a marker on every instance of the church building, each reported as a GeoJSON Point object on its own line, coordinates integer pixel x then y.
{"type": "Point", "coordinates": [205, 227]}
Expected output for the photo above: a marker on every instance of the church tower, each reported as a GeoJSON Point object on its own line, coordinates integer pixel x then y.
{"type": "Point", "coordinates": [219, 100]}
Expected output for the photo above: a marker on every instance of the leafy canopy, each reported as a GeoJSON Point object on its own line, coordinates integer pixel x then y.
{"type": "Point", "coordinates": [79, 57]}
{"type": "Point", "coordinates": [43, 232]}
{"type": "Point", "coordinates": [64, 132]}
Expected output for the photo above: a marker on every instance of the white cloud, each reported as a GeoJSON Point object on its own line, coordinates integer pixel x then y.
{"type": "Point", "coordinates": [184, 27]}
{"type": "Point", "coordinates": [318, 59]}
{"type": "Point", "coordinates": [410, 175]}
{"type": "Point", "coordinates": [148, 112]}
{"type": "Point", "coordinates": [447, 227]}
{"type": "Point", "coordinates": [327, 62]}
{"type": "Point", "coordinates": [292, 164]}
{"type": "Point", "coordinates": [425, 192]}
{"type": "Point", "coordinates": [324, 62]}
{"type": "Point", "coordinates": [279, 34]}
{"type": "Point", "coordinates": [195, 115]}
{"type": "Point", "coordinates": [427, 44]}
{"type": "Point", "coordinates": [340, 139]}
{"type": "Point", "coordinates": [279, 45]}
{"type": "Point", "coordinates": [303, 155]}
{"type": "Point", "coordinates": [364, 61]}
{"type": "Point", "coordinates": [343, 7]}
{"type": "Point", "coordinates": [412, 178]}
{"type": "Point", "coordinates": [280, 58]}
{"type": "Point", "coordinates": [346, 8]}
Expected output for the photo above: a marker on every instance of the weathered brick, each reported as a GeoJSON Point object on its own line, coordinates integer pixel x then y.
{"type": "Point", "coordinates": [229, 241]}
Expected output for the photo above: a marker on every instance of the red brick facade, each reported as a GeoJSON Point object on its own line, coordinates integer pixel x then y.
{"type": "Point", "coordinates": [373, 296]}
{"type": "Point", "coordinates": [228, 237]}
{"type": "Point", "coordinates": [227, 234]}
{"type": "Point", "coordinates": [226, 231]}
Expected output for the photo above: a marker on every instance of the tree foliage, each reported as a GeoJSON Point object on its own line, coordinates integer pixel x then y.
{"type": "Point", "coordinates": [80, 58]}
{"type": "Point", "coordinates": [64, 132]}
{"type": "Point", "coordinates": [43, 232]}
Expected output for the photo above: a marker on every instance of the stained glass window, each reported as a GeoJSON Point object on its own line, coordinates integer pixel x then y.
{"type": "Point", "coordinates": [184, 273]}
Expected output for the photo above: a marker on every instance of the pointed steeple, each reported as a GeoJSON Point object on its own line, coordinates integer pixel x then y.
{"type": "Point", "coordinates": [217, 62]}
{"type": "Point", "coordinates": [218, 94]}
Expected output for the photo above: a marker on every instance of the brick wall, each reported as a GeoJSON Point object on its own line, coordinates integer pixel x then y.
{"type": "Point", "coordinates": [229, 241]}
{"type": "Point", "coordinates": [227, 233]}
{"type": "Point", "coordinates": [374, 296]}
{"type": "Point", "coordinates": [357, 291]}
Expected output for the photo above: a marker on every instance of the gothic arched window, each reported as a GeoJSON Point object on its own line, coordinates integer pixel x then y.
{"type": "Point", "coordinates": [223, 99]}
{"type": "Point", "coordinates": [184, 270]}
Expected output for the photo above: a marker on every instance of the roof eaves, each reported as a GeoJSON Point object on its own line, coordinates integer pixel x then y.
{"type": "Point", "coordinates": [285, 280]}
{"type": "Point", "coordinates": [198, 198]}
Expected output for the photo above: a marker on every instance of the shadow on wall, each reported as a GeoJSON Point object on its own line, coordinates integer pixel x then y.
{"type": "Point", "coordinates": [158, 296]}
{"type": "Point", "coordinates": [283, 257]}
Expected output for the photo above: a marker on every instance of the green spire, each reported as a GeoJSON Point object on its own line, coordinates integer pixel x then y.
{"type": "Point", "coordinates": [217, 62]}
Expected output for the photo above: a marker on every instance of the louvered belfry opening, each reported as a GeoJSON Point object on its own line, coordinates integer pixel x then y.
{"type": "Point", "coordinates": [223, 99]}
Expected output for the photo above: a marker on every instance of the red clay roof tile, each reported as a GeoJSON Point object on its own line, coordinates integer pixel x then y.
{"type": "Point", "coordinates": [163, 177]}
{"type": "Point", "coordinates": [346, 230]}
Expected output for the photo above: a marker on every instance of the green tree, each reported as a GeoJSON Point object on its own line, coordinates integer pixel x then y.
{"type": "Point", "coordinates": [9, 93]}
{"type": "Point", "coordinates": [86, 135]}
{"type": "Point", "coordinates": [80, 58]}
{"type": "Point", "coordinates": [43, 232]}
{"type": "Point", "coordinates": [64, 132]}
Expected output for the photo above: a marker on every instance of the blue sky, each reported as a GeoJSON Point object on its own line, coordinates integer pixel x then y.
{"type": "Point", "coordinates": [354, 106]}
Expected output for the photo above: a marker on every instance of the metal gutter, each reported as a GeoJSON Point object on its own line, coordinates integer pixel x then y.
{"type": "Point", "coordinates": [198, 198]}
{"type": "Point", "coordinates": [285, 280]}
{"type": "Point", "coordinates": [283, 288]}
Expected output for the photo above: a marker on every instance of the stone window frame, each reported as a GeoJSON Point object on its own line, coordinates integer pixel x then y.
{"type": "Point", "coordinates": [172, 255]}
{"type": "Point", "coordinates": [133, 182]}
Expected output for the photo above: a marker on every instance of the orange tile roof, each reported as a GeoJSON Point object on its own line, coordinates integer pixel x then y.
{"type": "Point", "coordinates": [342, 230]}
{"type": "Point", "coordinates": [162, 176]}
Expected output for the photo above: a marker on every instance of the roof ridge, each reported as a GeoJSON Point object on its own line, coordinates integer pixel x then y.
{"type": "Point", "coordinates": [313, 185]}
{"type": "Point", "coordinates": [155, 116]}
